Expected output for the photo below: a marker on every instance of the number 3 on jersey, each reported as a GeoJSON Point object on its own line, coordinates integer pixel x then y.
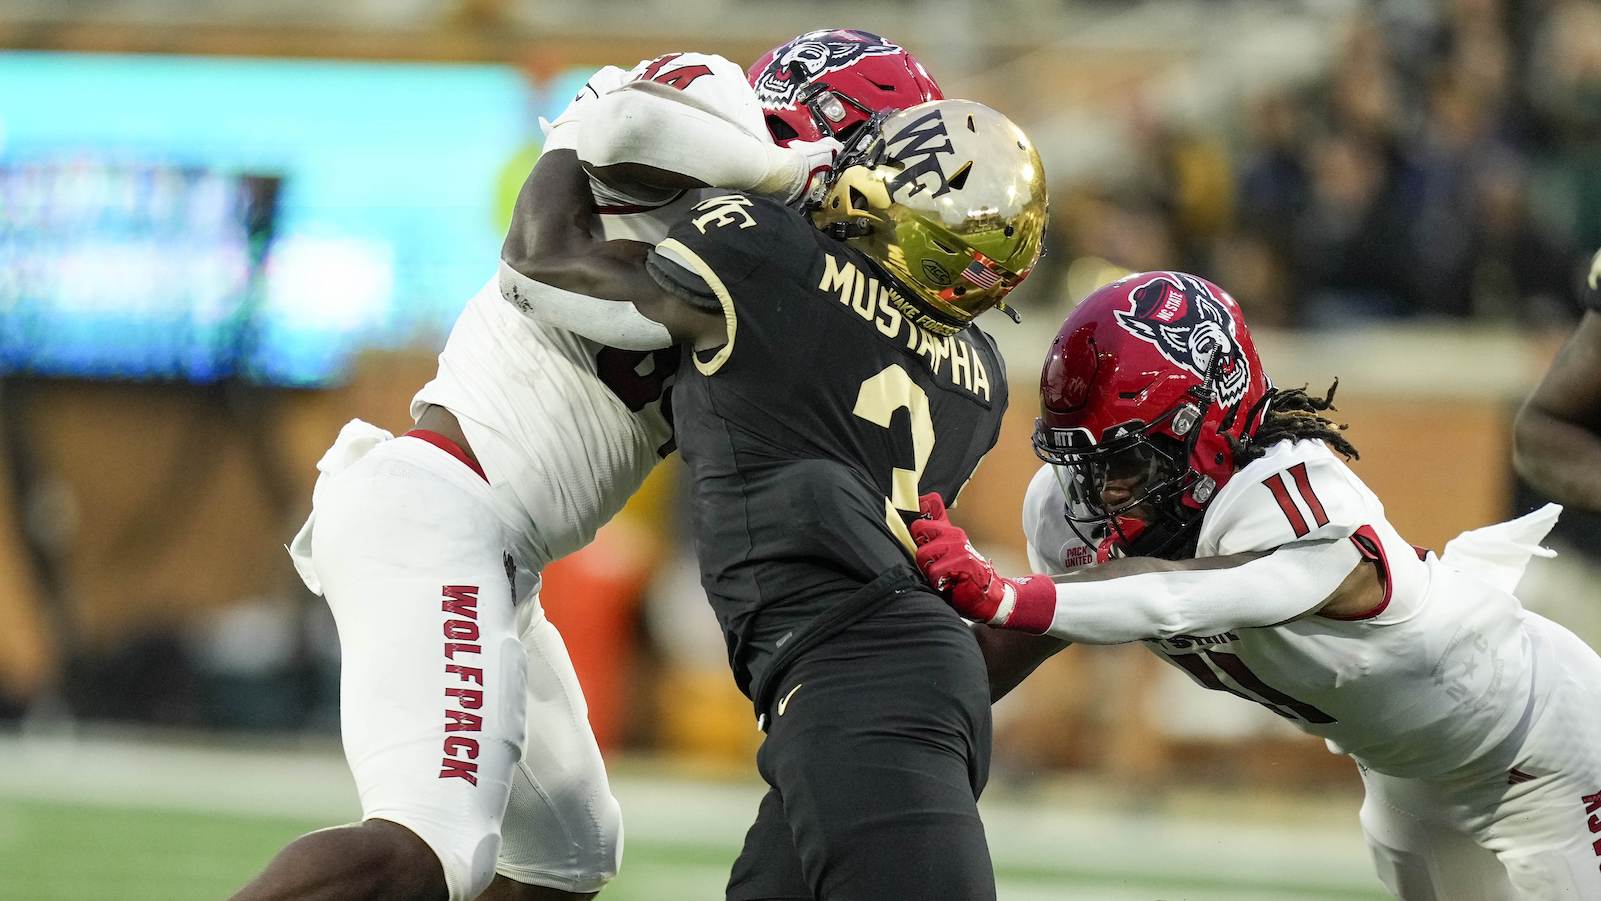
{"type": "Point", "coordinates": [877, 400]}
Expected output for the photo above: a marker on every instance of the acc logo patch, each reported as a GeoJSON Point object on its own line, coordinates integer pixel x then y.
{"type": "Point", "coordinates": [817, 53]}
{"type": "Point", "coordinates": [936, 273]}
{"type": "Point", "coordinates": [1191, 328]}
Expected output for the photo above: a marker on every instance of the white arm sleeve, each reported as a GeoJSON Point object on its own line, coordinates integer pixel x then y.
{"type": "Point", "coordinates": [1290, 581]}
{"type": "Point", "coordinates": [662, 127]}
{"type": "Point", "coordinates": [614, 323]}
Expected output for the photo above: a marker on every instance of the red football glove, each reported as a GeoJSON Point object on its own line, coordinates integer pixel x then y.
{"type": "Point", "coordinates": [968, 579]}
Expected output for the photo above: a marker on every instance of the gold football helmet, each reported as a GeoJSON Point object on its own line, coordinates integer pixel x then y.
{"type": "Point", "coordinates": [949, 196]}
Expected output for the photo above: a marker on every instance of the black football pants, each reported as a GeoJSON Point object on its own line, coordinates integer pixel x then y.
{"type": "Point", "coordinates": [878, 744]}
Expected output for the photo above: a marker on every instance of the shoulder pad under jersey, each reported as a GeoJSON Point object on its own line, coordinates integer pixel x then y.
{"type": "Point", "coordinates": [731, 235]}
{"type": "Point", "coordinates": [1297, 491]}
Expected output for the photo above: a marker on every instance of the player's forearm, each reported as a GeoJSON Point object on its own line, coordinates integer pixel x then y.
{"type": "Point", "coordinates": [554, 269]}
{"type": "Point", "coordinates": [1560, 458]}
{"type": "Point", "coordinates": [1009, 657]}
{"type": "Point", "coordinates": [1556, 443]}
{"type": "Point", "coordinates": [554, 235]}
{"type": "Point", "coordinates": [1141, 598]}
{"type": "Point", "coordinates": [607, 322]}
{"type": "Point", "coordinates": [553, 220]}
{"type": "Point", "coordinates": [654, 134]}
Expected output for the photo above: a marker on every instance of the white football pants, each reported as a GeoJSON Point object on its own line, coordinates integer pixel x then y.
{"type": "Point", "coordinates": [460, 713]}
{"type": "Point", "coordinates": [1526, 827]}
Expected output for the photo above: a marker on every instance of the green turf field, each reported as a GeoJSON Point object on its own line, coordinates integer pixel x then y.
{"type": "Point", "coordinates": [136, 823]}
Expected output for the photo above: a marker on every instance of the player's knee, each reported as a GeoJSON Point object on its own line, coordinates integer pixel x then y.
{"type": "Point", "coordinates": [572, 840]}
{"type": "Point", "coordinates": [592, 816]}
{"type": "Point", "coordinates": [600, 863]}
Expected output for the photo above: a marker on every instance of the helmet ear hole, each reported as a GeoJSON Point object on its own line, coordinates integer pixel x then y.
{"type": "Point", "coordinates": [781, 131]}
{"type": "Point", "coordinates": [959, 181]}
{"type": "Point", "coordinates": [858, 199]}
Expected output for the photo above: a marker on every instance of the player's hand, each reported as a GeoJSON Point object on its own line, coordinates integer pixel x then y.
{"type": "Point", "coordinates": [953, 566]}
{"type": "Point", "coordinates": [817, 163]}
{"type": "Point", "coordinates": [968, 579]}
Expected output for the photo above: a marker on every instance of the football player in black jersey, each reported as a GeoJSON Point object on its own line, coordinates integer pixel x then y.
{"type": "Point", "coordinates": [830, 374]}
{"type": "Point", "coordinates": [1557, 439]}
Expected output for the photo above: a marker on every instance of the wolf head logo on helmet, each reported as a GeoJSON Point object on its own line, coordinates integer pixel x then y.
{"type": "Point", "coordinates": [1178, 314]}
{"type": "Point", "coordinates": [815, 53]}
{"type": "Point", "coordinates": [829, 83]}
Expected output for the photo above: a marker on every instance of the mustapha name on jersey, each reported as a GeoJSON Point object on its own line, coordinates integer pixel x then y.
{"type": "Point", "coordinates": [896, 318]}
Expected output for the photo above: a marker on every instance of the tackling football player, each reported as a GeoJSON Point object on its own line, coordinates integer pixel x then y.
{"type": "Point", "coordinates": [1239, 547]}
{"type": "Point", "coordinates": [461, 717]}
{"type": "Point", "coordinates": [1556, 442]}
{"type": "Point", "coordinates": [830, 374]}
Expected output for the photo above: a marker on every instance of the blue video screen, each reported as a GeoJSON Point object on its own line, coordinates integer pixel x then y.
{"type": "Point", "coordinates": [119, 271]}
{"type": "Point", "coordinates": [181, 218]}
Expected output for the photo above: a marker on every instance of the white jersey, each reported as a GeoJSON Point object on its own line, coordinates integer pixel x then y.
{"type": "Point", "coordinates": [1432, 678]}
{"type": "Point", "coordinates": [565, 428]}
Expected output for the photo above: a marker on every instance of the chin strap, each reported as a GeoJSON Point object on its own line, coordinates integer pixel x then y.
{"type": "Point", "coordinates": [1124, 532]}
{"type": "Point", "coordinates": [1172, 539]}
{"type": "Point", "coordinates": [847, 229]}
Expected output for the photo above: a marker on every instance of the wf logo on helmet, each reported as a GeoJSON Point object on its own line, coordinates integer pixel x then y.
{"type": "Point", "coordinates": [1191, 328]}
{"type": "Point", "coordinates": [921, 144]}
{"type": "Point", "coordinates": [814, 53]}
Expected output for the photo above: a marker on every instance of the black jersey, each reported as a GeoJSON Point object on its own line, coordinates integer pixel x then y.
{"type": "Point", "coordinates": [810, 434]}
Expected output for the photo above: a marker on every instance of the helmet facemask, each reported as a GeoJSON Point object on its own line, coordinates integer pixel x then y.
{"type": "Point", "coordinates": [1168, 493]}
{"type": "Point", "coordinates": [1155, 519]}
{"type": "Point", "coordinates": [852, 192]}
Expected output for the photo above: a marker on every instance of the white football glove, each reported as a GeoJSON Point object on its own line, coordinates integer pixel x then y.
{"type": "Point", "coordinates": [816, 163]}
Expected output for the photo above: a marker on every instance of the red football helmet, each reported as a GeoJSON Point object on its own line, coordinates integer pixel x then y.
{"type": "Point", "coordinates": [827, 83]}
{"type": "Point", "coordinates": [1152, 382]}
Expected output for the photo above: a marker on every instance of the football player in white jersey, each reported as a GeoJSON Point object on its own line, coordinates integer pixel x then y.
{"type": "Point", "coordinates": [1236, 543]}
{"type": "Point", "coordinates": [461, 717]}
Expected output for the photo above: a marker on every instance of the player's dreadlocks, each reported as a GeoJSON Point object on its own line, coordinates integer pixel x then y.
{"type": "Point", "coordinates": [1294, 415]}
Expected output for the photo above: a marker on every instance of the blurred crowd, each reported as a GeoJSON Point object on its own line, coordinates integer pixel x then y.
{"type": "Point", "coordinates": [1447, 164]}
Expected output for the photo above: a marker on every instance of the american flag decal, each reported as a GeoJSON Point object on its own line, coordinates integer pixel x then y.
{"type": "Point", "coordinates": [979, 273]}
